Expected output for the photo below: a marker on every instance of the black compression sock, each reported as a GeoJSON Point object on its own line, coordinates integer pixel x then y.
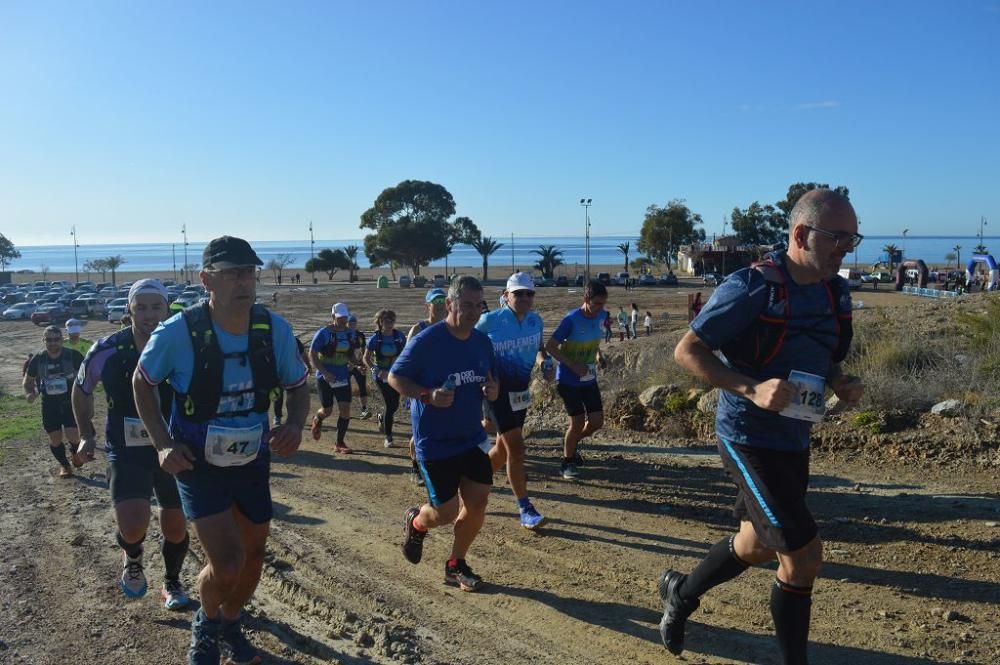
{"type": "Point", "coordinates": [387, 423]}
{"type": "Point", "coordinates": [342, 429]}
{"type": "Point", "coordinates": [720, 565]}
{"type": "Point", "coordinates": [790, 609]}
{"type": "Point", "coordinates": [59, 452]}
{"type": "Point", "coordinates": [173, 557]}
{"type": "Point", "coordinates": [133, 550]}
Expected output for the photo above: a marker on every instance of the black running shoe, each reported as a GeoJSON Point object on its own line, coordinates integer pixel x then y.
{"type": "Point", "coordinates": [675, 611]}
{"type": "Point", "coordinates": [462, 576]}
{"type": "Point", "coordinates": [577, 459]}
{"type": "Point", "coordinates": [413, 545]}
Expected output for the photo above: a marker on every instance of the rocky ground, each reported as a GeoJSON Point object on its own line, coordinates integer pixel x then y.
{"type": "Point", "coordinates": [911, 532]}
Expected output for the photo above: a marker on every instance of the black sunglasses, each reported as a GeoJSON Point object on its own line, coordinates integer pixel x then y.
{"type": "Point", "coordinates": [846, 241]}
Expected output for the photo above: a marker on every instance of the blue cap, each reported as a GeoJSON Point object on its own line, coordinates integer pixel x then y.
{"type": "Point", "coordinates": [435, 293]}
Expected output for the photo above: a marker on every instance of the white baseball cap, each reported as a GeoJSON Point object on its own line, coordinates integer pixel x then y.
{"type": "Point", "coordinates": [339, 310]}
{"type": "Point", "coordinates": [520, 281]}
{"type": "Point", "coordinates": [147, 286]}
{"type": "Point", "coordinates": [74, 326]}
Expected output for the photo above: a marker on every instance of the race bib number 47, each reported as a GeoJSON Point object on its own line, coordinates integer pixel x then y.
{"type": "Point", "coordinates": [232, 446]}
{"type": "Point", "coordinates": [810, 401]}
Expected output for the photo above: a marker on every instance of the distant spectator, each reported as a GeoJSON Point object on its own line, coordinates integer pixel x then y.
{"type": "Point", "coordinates": [648, 323]}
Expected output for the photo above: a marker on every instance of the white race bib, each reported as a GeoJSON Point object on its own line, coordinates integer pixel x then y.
{"type": "Point", "coordinates": [591, 373]}
{"type": "Point", "coordinates": [136, 434]}
{"type": "Point", "coordinates": [486, 446]}
{"type": "Point", "coordinates": [810, 402]}
{"type": "Point", "coordinates": [519, 401]}
{"type": "Point", "coordinates": [232, 446]}
{"type": "Point", "coordinates": [340, 384]}
{"type": "Point", "coordinates": [56, 386]}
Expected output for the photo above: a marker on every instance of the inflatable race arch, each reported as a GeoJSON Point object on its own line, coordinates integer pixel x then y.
{"type": "Point", "coordinates": [990, 262]}
{"type": "Point", "coordinates": [901, 273]}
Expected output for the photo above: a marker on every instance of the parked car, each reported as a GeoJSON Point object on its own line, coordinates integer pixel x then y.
{"type": "Point", "coordinates": [117, 309]}
{"type": "Point", "coordinates": [562, 280]}
{"type": "Point", "coordinates": [621, 279]}
{"type": "Point", "coordinates": [419, 281]}
{"type": "Point", "coordinates": [47, 299]}
{"type": "Point", "coordinates": [579, 281]}
{"type": "Point", "coordinates": [53, 313]}
{"type": "Point", "coordinates": [604, 278]}
{"type": "Point", "coordinates": [183, 300]}
{"type": "Point", "coordinates": [544, 281]}
{"type": "Point", "coordinates": [12, 298]}
{"type": "Point", "coordinates": [647, 280]}
{"type": "Point", "coordinates": [712, 279]}
{"type": "Point", "coordinates": [107, 291]}
{"type": "Point", "coordinates": [668, 279]}
{"type": "Point", "coordinates": [404, 281]}
{"type": "Point", "coordinates": [440, 281]}
{"type": "Point", "coordinates": [21, 310]}
{"type": "Point", "coordinates": [88, 306]}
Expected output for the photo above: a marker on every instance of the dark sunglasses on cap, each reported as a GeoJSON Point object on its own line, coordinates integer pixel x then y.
{"type": "Point", "coordinates": [438, 301]}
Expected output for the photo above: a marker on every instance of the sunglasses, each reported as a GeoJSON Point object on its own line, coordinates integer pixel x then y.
{"type": "Point", "coordinates": [523, 292]}
{"type": "Point", "coordinates": [846, 241]}
{"type": "Point", "coordinates": [438, 301]}
{"type": "Point", "coordinates": [53, 340]}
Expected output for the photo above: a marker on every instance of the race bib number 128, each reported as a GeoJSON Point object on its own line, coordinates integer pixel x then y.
{"type": "Point", "coordinates": [810, 400]}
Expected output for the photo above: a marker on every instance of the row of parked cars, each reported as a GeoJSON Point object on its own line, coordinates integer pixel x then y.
{"type": "Point", "coordinates": [48, 303]}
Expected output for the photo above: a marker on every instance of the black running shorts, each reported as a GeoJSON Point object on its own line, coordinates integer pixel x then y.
{"type": "Point", "coordinates": [128, 480]}
{"type": "Point", "coordinates": [442, 477]}
{"type": "Point", "coordinates": [56, 414]}
{"type": "Point", "coordinates": [501, 412]}
{"type": "Point", "coordinates": [327, 393]}
{"type": "Point", "coordinates": [772, 493]}
{"type": "Point", "coordinates": [581, 399]}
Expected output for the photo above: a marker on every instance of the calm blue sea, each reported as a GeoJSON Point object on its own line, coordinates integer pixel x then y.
{"type": "Point", "coordinates": [603, 251]}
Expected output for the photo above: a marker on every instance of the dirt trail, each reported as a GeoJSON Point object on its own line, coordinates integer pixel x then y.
{"type": "Point", "coordinates": [913, 572]}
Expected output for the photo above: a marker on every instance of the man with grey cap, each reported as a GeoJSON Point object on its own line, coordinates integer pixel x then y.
{"type": "Point", "coordinates": [134, 472]}
{"type": "Point", "coordinates": [223, 360]}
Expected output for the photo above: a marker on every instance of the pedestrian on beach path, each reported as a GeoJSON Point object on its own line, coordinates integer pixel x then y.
{"type": "Point", "coordinates": [782, 344]}
{"type": "Point", "coordinates": [448, 369]}
{"type": "Point", "coordinates": [223, 359]}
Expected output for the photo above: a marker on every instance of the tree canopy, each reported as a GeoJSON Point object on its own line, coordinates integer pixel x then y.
{"type": "Point", "coordinates": [329, 261]}
{"type": "Point", "coordinates": [759, 224]}
{"type": "Point", "coordinates": [410, 224]}
{"type": "Point", "coordinates": [7, 252]}
{"type": "Point", "coordinates": [666, 228]}
{"type": "Point", "coordinates": [796, 191]}
{"type": "Point", "coordinates": [486, 246]}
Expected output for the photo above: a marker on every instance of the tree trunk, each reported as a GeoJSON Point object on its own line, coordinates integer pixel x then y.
{"type": "Point", "coordinates": [484, 270]}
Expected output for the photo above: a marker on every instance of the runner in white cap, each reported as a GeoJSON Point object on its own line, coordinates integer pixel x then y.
{"type": "Point", "coordinates": [334, 353]}
{"type": "Point", "coordinates": [516, 333]}
{"type": "Point", "coordinates": [134, 471]}
{"type": "Point", "coordinates": [73, 329]}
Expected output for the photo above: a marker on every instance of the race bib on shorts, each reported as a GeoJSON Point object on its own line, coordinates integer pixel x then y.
{"type": "Point", "coordinates": [810, 402]}
{"type": "Point", "coordinates": [519, 401]}
{"type": "Point", "coordinates": [486, 446]}
{"type": "Point", "coordinates": [136, 434]}
{"type": "Point", "coordinates": [56, 386]}
{"type": "Point", "coordinates": [591, 374]}
{"type": "Point", "coordinates": [340, 384]}
{"type": "Point", "coordinates": [232, 446]}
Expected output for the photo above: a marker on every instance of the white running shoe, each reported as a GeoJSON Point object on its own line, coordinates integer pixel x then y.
{"type": "Point", "coordinates": [388, 443]}
{"type": "Point", "coordinates": [174, 596]}
{"type": "Point", "coordinates": [133, 580]}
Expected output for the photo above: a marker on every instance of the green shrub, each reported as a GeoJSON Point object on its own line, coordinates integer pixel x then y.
{"type": "Point", "coordinates": [867, 420]}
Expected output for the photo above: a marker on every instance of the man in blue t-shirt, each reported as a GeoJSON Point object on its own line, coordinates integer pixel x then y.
{"type": "Point", "coordinates": [516, 333]}
{"type": "Point", "coordinates": [783, 328]}
{"type": "Point", "coordinates": [334, 353]}
{"type": "Point", "coordinates": [576, 344]}
{"type": "Point", "coordinates": [447, 369]}
{"type": "Point", "coordinates": [223, 359]}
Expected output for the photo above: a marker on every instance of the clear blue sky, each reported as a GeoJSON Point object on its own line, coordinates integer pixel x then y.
{"type": "Point", "coordinates": [131, 118]}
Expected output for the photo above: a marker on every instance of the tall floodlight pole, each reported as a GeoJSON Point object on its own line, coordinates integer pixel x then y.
{"type": "Point", "coordinates": [173, 255]}
{"type": "Point", "coordinates": [512, 268]}
{"type": "Point", "coordinates": [982, 223]}
{"type": "Point", "coordinates": [76, 267]}
{"type": "Point", "coordinates": [586, 203]}
{"type": "Point", "coordinates": [184, 232]}
{"type": "Point", "coordinates": [312, 242]}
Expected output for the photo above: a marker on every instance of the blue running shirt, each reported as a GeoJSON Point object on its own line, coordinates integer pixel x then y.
{"type": "Point", "coordinates": [515, 344]}
{"type": "Point", "coordinates": [334, 348]}
{"type": "Point", "coordinates": [430, 359]}
{"type": "Point", "coordinates": [580, 338]}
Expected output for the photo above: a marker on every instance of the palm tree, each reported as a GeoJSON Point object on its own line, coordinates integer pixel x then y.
{"type": "Point", "coordinates": [891, 251]}
{"type": "Point", "coordinates": [113, 263]}
{"type": "Point", "coordinates": [550, 258]}
{"type": "Point", "coordinates": [352, 254]}
{"type": "Point", "coordinates": [980, 249]}
{"type": "Point", "coordinates": [958, 252]}
{"type": "Point", "coordinates": [486, 246]}
{"type": "Point", "coordinates": [624, 249]}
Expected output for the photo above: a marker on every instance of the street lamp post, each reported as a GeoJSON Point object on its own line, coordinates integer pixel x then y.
{"type": "Point", "coordinates": [905, 231]}
{"type": "Point", "coordinates": [173, 255]}
{"type": "Point", "coordinates": [586, 203]}
{"type": "Point", "coordinates": [312, 242]}
{"type": "Point", "coordinates": [184, 232]}
{"type": "Point", "coordinates": [982, 223]}
{"type": "Point", "coordinates": [512, 268]}
{"type": "Point", "coordinates": [76, 266]}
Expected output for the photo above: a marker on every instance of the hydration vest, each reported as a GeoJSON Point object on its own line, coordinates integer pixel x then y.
{"type": "Point", "coordinates": [66, 370]}
{"type": "Point", "coordinates": [397, 339]}
{"type": "Point", "coordinates": [117, 377]}
{"type": "Point", "coordinates": [201, 402]}
{"type": "Point", "coordinates": [330, 349]}
{"type": "Point", "coordinates": [762, 342]}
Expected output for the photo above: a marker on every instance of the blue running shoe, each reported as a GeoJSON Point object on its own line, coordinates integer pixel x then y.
{"type": "Point", "coordinates": [133, 579]}
{"type": "Point", "coordinates": [174, 596]}
{"type": "Point", "coordinates": [530, 519]}
{"type": "Point", "coordinates": [204, 648]}
{"type": "Point", "coordinates": [234, 645]}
